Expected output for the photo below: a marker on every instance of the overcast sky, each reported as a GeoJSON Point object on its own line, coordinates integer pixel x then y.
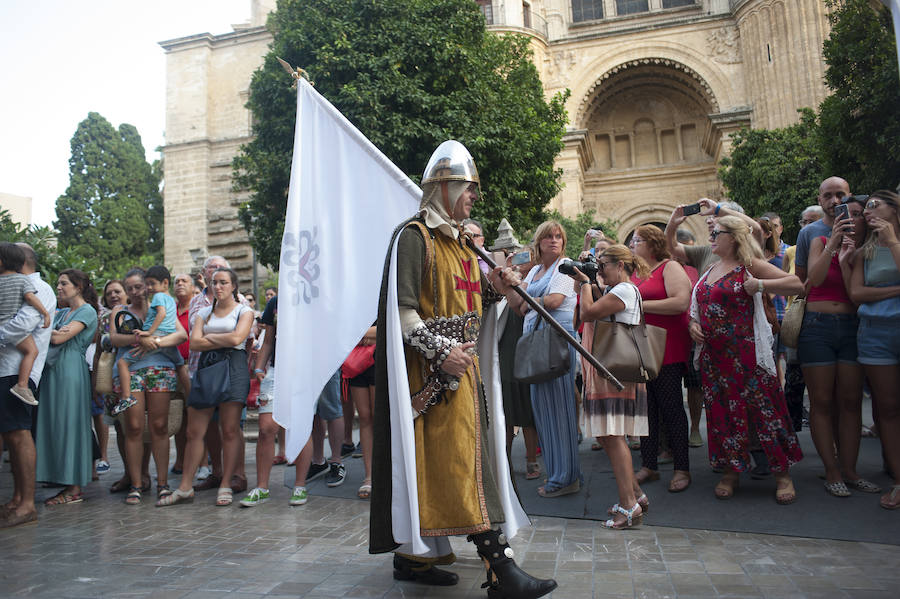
{"type": "Point", "coordinates": [60, 59]}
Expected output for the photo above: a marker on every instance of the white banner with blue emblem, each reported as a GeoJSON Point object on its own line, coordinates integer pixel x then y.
{"type": "Point", "coordinates": [344, 202]}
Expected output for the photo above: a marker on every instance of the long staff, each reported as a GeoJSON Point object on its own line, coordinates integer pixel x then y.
{"type": "Point", "coordinates": [550, 320]}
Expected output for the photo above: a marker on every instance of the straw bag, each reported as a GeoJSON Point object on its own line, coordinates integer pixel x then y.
{"type": "Point", "coordinates": [103, 374]}
{"type": "Point", "coordinates": [793, 322]}
{"type": "Point", "coordinates": [176, 411]}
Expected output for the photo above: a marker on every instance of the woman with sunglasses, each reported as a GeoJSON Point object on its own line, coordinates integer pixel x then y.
{"type": "Point", "coordinates": [827, 350]}
{"type": "Point", "coordinates": [609, 413]}
{"type": "Point", "coordinates": [875, 286]}
{"type": "Point", "coordinates": [740, 386]}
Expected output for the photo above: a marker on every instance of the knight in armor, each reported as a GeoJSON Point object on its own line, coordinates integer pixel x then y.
{"type": "Point", "coordinates": [439, 461]}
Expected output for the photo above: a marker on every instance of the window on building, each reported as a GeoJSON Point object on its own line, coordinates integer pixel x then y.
{"type": "Point", "coordinates": [630, 7]}
{"type": "Point", "coordinates": [487, 10]}
{"type": "Point", "coordinates": [586, 10]}
{"type": "Point", "coordinates": [677, 3]}
{"type": "Point", "coordinates": [526, 14]}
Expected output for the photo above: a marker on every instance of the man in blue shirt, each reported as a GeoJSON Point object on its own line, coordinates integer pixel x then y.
{"type": "Point", "coordinates": [831, 192]}
{"type": "Point", "coordinates": [15, 416]}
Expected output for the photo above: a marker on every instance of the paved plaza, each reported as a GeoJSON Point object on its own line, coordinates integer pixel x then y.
{"type": "Point", "coordinates": [103, 548]}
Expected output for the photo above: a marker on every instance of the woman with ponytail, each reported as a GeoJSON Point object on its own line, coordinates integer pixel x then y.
{"type": "Point", "coordinates": [608, 413]}
{"type": "Point", "coordinates": [741, 391]}
{"type": "Point", "coordinates": [63, 442]}
{"type": "Point", "coordinates": [219, 333]}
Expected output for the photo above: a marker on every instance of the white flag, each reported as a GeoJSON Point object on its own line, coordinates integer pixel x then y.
{"type": "Point", "coordinates": [345, 200]}
{"type": "Point", "coordinates": [895, 9]}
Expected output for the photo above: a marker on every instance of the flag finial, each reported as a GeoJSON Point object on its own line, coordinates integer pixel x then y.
{"type": "Point", "coordinates": [295, 73]}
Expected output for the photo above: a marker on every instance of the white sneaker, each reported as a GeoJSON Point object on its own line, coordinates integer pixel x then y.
{"type": "Point", "coordinates": [204, 472]}
{"type": "Point", "coordinates": [298, 497]}
{"type": "Point", "coordinates": [25, 394]}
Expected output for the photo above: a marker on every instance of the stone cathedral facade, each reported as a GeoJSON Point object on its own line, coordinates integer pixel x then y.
{"type": "Point", "coordinates": [656, 87]}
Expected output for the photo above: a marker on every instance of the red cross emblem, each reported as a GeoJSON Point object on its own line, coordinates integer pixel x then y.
{"type": "Point", "coordinates": [467, 284]}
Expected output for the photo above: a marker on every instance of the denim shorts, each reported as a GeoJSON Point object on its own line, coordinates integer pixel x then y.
{"type": "Point", "coordinates": [826, 339]}
{"type": "Point", "coordinates": [266, 399]}
{"type": "Point", "coordinates": [879, 341]}
{"type": "Point", "coordinates": [328, 406]}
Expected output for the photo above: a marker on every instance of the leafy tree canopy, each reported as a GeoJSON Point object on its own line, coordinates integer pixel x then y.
{"type": "Point", "coordinates": [409, 74]}
{"type": "Point", "coordinates": [777, 170]}
{"type": "Point", "coordinates": [860, 121]}
{"type": "Point", "coordinates": [575, 229]}
{"type": "Point", "coordinates": [52, 259]}
{"type": "Point", "coordinates": [112, 209]}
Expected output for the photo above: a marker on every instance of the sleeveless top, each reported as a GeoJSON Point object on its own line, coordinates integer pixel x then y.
{"type": "Point", "coordinates": [832, 288]}
{"type": "Point", "coordinates": [678, 341]}
{"type": "Point", "coordinates": [881, 271]}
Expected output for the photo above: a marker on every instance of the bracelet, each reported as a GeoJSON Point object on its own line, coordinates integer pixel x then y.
{"type": "Point", "coordinates": [716, 211]}
{"type": "Point", "coordinates": [259, 371]}
{"type": "Point", "coordinates": [833, 253]}
{"type": "Point", "coordinates": [759, 286]}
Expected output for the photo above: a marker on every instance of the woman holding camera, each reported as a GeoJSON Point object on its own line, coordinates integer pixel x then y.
{"type": "Point", "coordinates": [553, 402]}
{"type": "Point", "coordinates": [828, 352]}
{"type": "Point", "coordinates": [875, 285]}
{"type": "Point", "coordinates": [609, 413]}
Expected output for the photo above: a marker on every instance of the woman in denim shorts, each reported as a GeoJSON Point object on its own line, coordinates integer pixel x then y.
{"type": "Point", "coordinates": [875, 285]}
{"type": "Point", "coordinates": [827, 351]}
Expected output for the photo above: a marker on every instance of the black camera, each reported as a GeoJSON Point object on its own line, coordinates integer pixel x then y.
{"type": "Point", "coordinates": [588, 267]}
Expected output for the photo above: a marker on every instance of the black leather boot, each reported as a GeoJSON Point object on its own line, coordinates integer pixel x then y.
{"type": "Point", "coordinates": [505, 580]}
{"type": "Point", "coordinates": [407, 569]}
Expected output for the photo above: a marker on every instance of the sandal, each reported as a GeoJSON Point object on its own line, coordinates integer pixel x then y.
{"type": "Point", "coordinates": [645, 475]}
{"type": "Point", "coordinates": [557, 491]}
{"type": "Point", "coordinates": [365, 490]}
{"type": "Point", "coordinates": [680, 482]}
{"type": "Point", "coordinates": [163, 491]}
{"type": "Point", "coordinates": [176, 496]}
{"type": "Point", "coordinates": [596, 445]}
{"type": "Point", "coordinates": [133, 497]}
{"type": "Point", "coordinates": [785, 493]}
{"type": "Point", "coordinates": [532, 470]}
{"type": "Point", "coordinates": [643, 501]}
{"type": "Point", "coordinates": [63, 498]}
{"type": "Point", "coordinates": [891, 500]}
{"type": "Point", "coordinates": [631, 520]}
{"type": "Point", "coordinates": [634, 443]}
{"type": "Point", "coordinates": [726, 487]}
{"type": "Point", "coordinates": [224, 497]}
{"type": "Point", "coordinates": [279, 460]}
{"type": "Point", "coordinates": [861, 484]}
{"type": "Point", "coordinates": [838, 489]}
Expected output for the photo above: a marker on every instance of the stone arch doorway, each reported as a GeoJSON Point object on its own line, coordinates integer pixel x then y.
{"type": "Point", "coordinates": [649, 137]}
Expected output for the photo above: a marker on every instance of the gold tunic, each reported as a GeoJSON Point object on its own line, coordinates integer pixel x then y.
{"type": "Point", "coordinates": [455, 480]}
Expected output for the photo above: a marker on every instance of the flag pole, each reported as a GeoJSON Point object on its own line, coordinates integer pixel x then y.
{"type": "Point", "coordinates": [550, 320]}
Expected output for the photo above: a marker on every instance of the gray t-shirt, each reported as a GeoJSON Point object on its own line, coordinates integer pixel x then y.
{"type": "Point", "coordinates": [12, 294]}
{"type": "Point", "coordinates": [805, 239]}
{"type": "Point", "coordinates": [700, 257]}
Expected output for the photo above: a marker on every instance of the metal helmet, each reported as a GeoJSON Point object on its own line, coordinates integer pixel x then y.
{"type": "Point", "coordinates": [451, 161]}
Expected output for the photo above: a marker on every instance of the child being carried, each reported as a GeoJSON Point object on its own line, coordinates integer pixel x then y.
{"type": "Point", "coordinates": [160, 322]}
{"type": "Point", "coordinates": [17, 290]}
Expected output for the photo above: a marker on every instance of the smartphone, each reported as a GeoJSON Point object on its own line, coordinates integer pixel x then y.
{"type": "Point", "coordinates": [841, 211]}
{"type": "Point", "coordinates": [692, 209]}
{"type": "Point", "coordinates": [595, 234]}
{"type": "Point", "coordinates": [521, 258]}
{"type": "Point", "coordinates": [499, 258]}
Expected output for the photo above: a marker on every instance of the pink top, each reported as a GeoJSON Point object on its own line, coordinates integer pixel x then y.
{"type": "Point", "coordinates": [678, 341]}
{"type": "Point", "coordinates": [832, 288]}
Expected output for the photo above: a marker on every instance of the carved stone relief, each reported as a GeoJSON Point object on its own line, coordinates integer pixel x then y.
{"type": "Point", "coordinates": [724, 45]}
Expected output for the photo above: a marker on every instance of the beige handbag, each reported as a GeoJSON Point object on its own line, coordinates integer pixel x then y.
{"type": "Point", "coordinates": [103, 374]}
{"type": "Point", "coordinates": [793, 322]}
{"type": "Point", "coordinates": [176, 411]}
{"type": "Point", "coordinates": [633, 353]}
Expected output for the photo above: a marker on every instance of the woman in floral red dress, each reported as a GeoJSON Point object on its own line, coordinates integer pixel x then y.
{"type": "Point", "coordinates": [739, 382]}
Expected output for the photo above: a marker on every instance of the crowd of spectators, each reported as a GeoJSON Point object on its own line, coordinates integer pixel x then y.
{"type": "Point", "coordinates": [720, 303]}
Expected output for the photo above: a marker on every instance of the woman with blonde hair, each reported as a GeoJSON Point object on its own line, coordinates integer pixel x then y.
{"type": "Point", "coordinates": [553, 401]}
{"type": "Point", "coordinates": [608, 413]}
{"type": "Point", "coordinates": [875, 286]}
{"type": "Point", "coordinates": [740, 386]}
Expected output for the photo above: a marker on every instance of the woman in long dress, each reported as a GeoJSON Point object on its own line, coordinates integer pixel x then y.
{"type": "Point", "coordinates": [740, 386]}
{"type": "Point", "coordinates": [63, 441]}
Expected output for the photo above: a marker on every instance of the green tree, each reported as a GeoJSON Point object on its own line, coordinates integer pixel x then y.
{"type": "Point", "coordinates": [50, 257]}
{"type": "Point", "coordinates": [777, 170]}
{"type": "Point", "coordinates": [109, 210]}
{"type": "Point", "coordinates": [409, 74]}
{"type": "Point", "coordinates": [860, 121]}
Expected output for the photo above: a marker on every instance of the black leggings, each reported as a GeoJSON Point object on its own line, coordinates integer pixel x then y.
{"type": "Point", "coordinates": [665, 399]}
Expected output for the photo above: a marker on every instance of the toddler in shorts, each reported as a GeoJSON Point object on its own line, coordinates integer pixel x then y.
{"type": "Point", "coordinates": [160, 322]}
{"type": "Point", "coordinates": [17, 290]}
